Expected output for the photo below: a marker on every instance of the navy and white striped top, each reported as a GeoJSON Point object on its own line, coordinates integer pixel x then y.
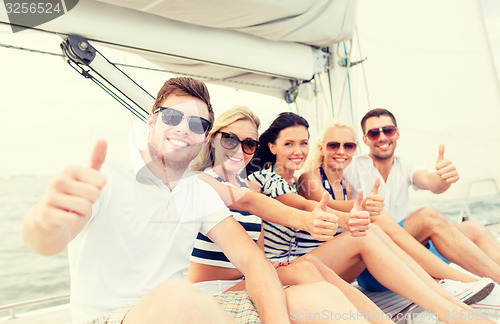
{"type": "Point", "coordinates": [207, 252]}
{"type": "Point", "coordinates": [282, 243]}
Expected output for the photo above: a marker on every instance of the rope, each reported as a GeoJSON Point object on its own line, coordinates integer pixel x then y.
{"type": "Point", "coordinates": [363, 69]}
{"type": "Point", "coordinates": [348, 67]}
{"type": "Point", "coordinates": [29, 50]}
{"type": "Point", "coordinates": [330, 112]}
{"type": "Point", "coordinates": [108, 90]}
{"type": "Point", "coordinates": [330, 91]}
{"type": "Point", "coordinates": [349, 85]}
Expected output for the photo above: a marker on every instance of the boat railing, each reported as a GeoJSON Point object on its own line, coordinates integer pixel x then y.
{"type": "Point", "coordinates": [11, 308]}
{"type": "Point", "coordinates": [465, 213]}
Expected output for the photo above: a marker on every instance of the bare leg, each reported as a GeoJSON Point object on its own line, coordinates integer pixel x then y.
{"type": "Point", "coordinates": [433, 265]}
{"type": "Point", "coordinates": [320, 302]}
{"type": "Point", "coordinates": [478, 234]}
{"type": "Point", "coordinates": [416, 268]}
{"type": "Point", "coordinates": [173, 302]}
{"type": "Point", "coordinates": [309, 269]}
{"type": "Point", "coordinates": [427, 223]}
{"type": "Point", "coordinates": [345, 252]}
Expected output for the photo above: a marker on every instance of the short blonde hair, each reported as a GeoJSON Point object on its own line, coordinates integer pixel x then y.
{"type": "Point", "coordinates": [315, 158]}
{"type": "Point", "coordinates": [205, 157]}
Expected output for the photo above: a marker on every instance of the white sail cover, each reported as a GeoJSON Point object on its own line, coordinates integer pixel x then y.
{"type": "Point", "coordinates": [318, 23]}
{"type": "Point", "coordinates": [262, 46]}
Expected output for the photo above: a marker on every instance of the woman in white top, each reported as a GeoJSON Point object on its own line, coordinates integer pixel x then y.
{"type": "Point", "coordinates": [233, 140]}
{"type": "Point", "coordinates": [283, 149]}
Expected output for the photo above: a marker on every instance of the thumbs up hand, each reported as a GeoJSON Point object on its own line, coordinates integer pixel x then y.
{"type": "Point", "coordinates": [67, 203]}
{"type": "Point", "coordinates": [373, 203]}
{"type": "Point", "coordinates": [359, 220]}
{"type": "Point", "coordinates": [445, 169]}
{"type": "Point", "coordinates": [321, 224]}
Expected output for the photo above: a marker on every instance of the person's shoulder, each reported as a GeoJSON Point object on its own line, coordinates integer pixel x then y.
{"type": "Point", "coordinates": [260, 175]}
{"type": "Point", "coordinates": [310, 175]}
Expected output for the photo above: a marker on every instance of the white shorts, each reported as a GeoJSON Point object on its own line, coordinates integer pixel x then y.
{"type": "Point", "coordinates": [216, 287]}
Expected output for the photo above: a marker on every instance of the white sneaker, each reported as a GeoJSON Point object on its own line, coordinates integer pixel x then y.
{"type": "Point", "coordinates": [491, 302]}
{"type": "Point", "coordinates": [468, 292]}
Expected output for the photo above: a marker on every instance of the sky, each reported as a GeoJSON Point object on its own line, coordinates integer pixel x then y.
{"type": "Point", "coordinates": [51, 116]}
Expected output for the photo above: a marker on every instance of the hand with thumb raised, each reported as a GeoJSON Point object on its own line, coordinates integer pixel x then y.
{"type": "Point", "coordinates": [374, 203]}
{"type": "Point", "coordinates": [68, 201]}
{"type": "Point", "coordinates": [359, 220]}
{"type": "Point", "coordinates": [321, 224]}
{"type": "Point", "coordinates": [446, 171]}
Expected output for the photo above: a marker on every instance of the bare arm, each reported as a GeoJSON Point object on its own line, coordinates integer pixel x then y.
{"type": "Point", "coordinates": [430, 181]}
{"type": "Point", "coordinates": [65, 207]}
{"type": "Point", "coordinates": [299, 202]}
{"type": "Point", "coordinates": [262, 282]}
{"type": "Point", "coordinates": [320, 225]}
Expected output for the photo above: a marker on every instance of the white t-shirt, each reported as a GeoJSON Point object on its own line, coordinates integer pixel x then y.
{"type": "Point", "coordinates": [361, 173]}
{"type": "Point", "coordinates": [140, 234]}
{"type": "Point", "coordinates": [207, 252]}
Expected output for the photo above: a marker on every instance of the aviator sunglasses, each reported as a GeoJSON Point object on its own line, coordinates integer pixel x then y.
{"type": "Point", "coordinates": [349, 147]}
{"type": "Point", "coordinates": [173, 117]}
{"type": "Point", "coordinates": [374, 133]}
{"type": "Point", "coordinates": [229, 141]}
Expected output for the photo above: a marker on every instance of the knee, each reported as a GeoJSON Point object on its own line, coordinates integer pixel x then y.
{"type": "Point", "coordinates": [373, 237]}
{"type": "Point", "coordinates": [431, 219]}
{"type": "Point", "coordinates": [306, 270]}
{"type": "Point", "coordinates": [474, 231]}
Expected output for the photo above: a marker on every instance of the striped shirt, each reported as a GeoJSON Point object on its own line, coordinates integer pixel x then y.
{"type": "Point", "coordinates": [207, 252]}
{"type": "Point", "coordinates": [282, 243]}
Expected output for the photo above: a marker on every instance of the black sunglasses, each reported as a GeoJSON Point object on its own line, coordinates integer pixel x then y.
{"type": "Point", "coordinates": [173, 117]}
{"type": "Point", "coordinates": [229, 141]}
{"type": "Point", "coordinates": [349, 147]}
{"type": "Point", "coordinates": [374, 133]}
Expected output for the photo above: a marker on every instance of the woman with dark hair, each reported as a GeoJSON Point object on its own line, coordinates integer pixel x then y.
{"type": "Point", "coordinates": [263, 157]}
{"type": "Point", "coordinates": [287, 140]}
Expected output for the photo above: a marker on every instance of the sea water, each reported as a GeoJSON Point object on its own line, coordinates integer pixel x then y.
{"type": "Point", "coordinates": [25, 275]}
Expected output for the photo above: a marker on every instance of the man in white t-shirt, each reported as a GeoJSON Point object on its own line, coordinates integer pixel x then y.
{"type": "Point", "coordinates": [130, 229]}
{"type": "Point", "coordinates": [468, 244]}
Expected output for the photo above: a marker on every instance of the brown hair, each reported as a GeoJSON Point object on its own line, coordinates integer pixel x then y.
{"type": "Point", "coordinates": [377, 112]}
{"type": "Point", "coordinates": [183, 86]}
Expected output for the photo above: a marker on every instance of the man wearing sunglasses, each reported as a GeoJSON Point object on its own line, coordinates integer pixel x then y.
{"type": "Point", "coordinates": [478, 254]}
{"type": "Point", "coordinates": [130, 229]}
